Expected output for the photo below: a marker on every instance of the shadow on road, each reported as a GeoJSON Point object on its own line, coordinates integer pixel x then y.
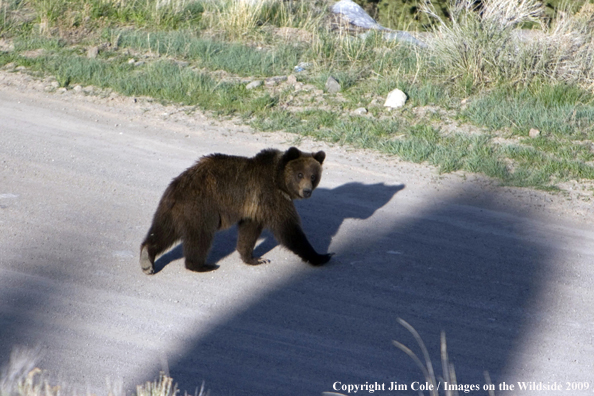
{"type": "Point", "coordinates": [469, 271]}
{"type": "Point", "coordinates": [31, 291]}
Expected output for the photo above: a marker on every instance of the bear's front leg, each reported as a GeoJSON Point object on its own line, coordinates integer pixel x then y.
{"type": "Point", "coordinates": [248, 233]}
{"type": "Point", "coordinates": [293, 238]}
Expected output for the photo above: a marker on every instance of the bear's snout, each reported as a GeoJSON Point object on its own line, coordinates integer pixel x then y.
{"type": "Point", "coordinates": [306, 192]}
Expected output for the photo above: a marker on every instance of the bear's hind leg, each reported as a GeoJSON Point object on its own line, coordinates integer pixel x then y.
{"type": "Point", "coordinates": [197, 242]}
{"type": "Point", "coordinates": [249, 231]}
{"type": "Point", "coordinates": [147, 262]}
{"type": "Point", "coordinates": [159, 238]}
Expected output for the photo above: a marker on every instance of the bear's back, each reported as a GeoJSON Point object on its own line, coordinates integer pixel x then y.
{"type": "Point", "coordinates": [238, 187]}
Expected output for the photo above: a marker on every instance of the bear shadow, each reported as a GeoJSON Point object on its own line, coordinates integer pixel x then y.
{"type": "Point", "coordinates": [321, 225]}
{"type": "Point", "coordinates": [461, 267]}
{"type": "Point", "coordinates": [314, 215]}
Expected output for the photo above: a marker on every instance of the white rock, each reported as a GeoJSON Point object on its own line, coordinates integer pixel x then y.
{"type": "Point", "coordinates": [360, 111]}
{"type": "Point", "coordinates": [92, 52]}
{"type": "Point", "coordinates": [395, 99]}
{"type": "Point", "coordinates": [254, 84]}
{"type": "Point", "coordinates": [533, 133]}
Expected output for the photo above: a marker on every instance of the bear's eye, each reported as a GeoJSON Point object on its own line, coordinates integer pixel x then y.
{"type": "Point", "coordinates": [313, 178]}
{"type": "Point", "coordinates": [300, 175]}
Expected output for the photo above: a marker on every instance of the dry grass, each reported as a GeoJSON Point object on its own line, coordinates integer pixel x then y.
{"type": "Point", "coordinates": [241, 20]}
{"type": "Point", "coordinates": [480, 45]}
{"type": "Point", "coordinates": [21, 377]}
{"type": "Point", "coordinates": [426, 367]}
{"type": "Point", "coordinates": [236, 18]}
{"type": "Point", "coordinates": [489, 47]}
{"type": "Point", "coordinates": [569, 48]}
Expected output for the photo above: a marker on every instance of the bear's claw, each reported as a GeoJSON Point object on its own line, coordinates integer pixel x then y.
{"type": "Point", "coordinates": [257, 261]}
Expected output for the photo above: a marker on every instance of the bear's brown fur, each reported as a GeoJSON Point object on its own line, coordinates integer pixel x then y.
{"type": "Point", "coordinates": [222, 190]}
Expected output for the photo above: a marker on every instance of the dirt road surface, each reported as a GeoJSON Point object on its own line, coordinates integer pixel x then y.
{"type": "Point", "coordinates": [507, 274]}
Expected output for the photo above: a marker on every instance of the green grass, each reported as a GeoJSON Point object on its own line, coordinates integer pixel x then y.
{"type": "Point", "coordinates": [163, 80]}
{"type": "Point", "coordinates": [558, 110]}
{"type": "Point", "coordinates": [93, 14]}
{"type": "Point", "coordinates": [235, 58]}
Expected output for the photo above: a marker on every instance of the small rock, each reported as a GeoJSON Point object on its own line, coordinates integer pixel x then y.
{"type": "Point", "coordinates": [139, 63]}
{"type": "Point", "coordinates": [20, 68]}
{"type": "Point", "coordinates": [292, 80]}
{"type": "Point", "coordinates": [61, 90]}
{"type": "Point", "coordinates": [9, 66]}
{"type": "Point", "coordinates": [275, 80]}
{"type": "Point", "coordinates": [254, 84]}
{"type": "Point", "coordinates": [464, 101]}
{"type": "Point", "coordinates": [298, 86]}
{"type": "Point", "coordinates": [318, 92]}
{"type": "Point", "coordinates": [182, 63]}
{"type": "Point", "coordinates": [534, 133]}
{"type": "Point", "coordinates": [92, 52]}
{"type": "Point", "coordinates": [395, 99]}
{"type": "Point", "coordinates": [360, 111]}
{"type": "Point", "coordinates": [332, 86]}
{"type": "Point", "coordinates": [55, 84]}
{"type": "Point", "coordinates": [77, 88]}
{"type": "Point", "coordinates": [131, 61]}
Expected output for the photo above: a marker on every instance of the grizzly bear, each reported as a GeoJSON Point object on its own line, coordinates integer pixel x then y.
{"type": "Point", "coordinates": [222, 190]}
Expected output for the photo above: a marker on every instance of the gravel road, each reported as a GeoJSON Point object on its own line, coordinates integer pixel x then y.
{"type": "Point", "coordinates": [506, 273]}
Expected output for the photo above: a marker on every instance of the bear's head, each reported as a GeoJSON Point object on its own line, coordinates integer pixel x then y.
{"type": "Point", "coordinates": [302, 172]}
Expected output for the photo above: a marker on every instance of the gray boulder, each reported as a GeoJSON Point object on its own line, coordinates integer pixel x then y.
{"type": "Point", "coordinates": [356, 16]}
{"type": "Point", "coordinates": [332, 86]}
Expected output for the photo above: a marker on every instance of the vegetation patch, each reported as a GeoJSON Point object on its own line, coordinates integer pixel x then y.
{"type": "Point", "coordinates": [485, 96]}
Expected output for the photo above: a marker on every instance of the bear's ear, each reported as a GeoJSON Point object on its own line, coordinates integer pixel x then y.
{"type": "Point", "coordinates": [320, 156]}
{"type": "Point", "coordinates": [291, 154]}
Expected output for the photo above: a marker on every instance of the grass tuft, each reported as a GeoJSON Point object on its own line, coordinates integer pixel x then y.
{"type": "Point", "coordinates": [21, 377]}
